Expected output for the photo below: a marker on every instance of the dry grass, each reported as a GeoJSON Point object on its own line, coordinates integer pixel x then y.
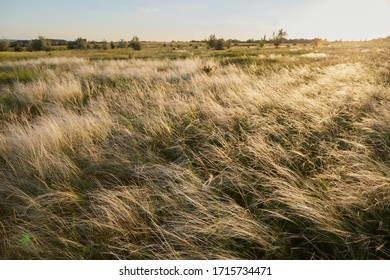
{"type": "Point", "coordinates": [160, 159]}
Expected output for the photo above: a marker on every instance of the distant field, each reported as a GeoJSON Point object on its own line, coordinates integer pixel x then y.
{"type": "Point", "coordinates": [180, 50]}
{"type": "Point", "coordinates": [181, 152]}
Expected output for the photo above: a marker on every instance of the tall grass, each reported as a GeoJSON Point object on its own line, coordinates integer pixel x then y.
{"type": "Point", "coordinates": [159, 159]}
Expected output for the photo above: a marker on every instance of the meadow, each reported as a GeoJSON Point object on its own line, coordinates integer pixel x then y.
{"type": "Point", "coordinates": [180, 152]}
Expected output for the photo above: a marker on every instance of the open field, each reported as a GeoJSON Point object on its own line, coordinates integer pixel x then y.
{"type": "Point", "coordinates": [196, 154]}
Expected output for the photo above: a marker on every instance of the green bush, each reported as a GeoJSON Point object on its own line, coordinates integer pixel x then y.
{"type": "Point", "coordinates": [4, 44]}
{"type": "Point", "coordinates": [18, 47]}
{"type": "Point", "coordinates": [96, 45]}
{"type": "Point", "coordinates": [81, 43]}
{"type": "Point", "coordinates": [263, 41]}
{"type": "Point", "coordinates": [40, 44]}
{"type": "Point", "coordinates": [212, 41]}
{"type": "Point", "coordinates": [135, 44]}
{"type": "Point", "coordinates": [122, 44]}
{"type": "Point", "coordinates": [217, 44]}
{"type": "Point", "coordinates": [279, 37]}
{"type": "Point", "coordinates": [220, 44]}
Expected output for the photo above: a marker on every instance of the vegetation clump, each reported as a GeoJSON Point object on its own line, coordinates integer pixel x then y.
{"type": "Point", "coordinates": [217, 44]}
{"type": "Point", "coordinates": [4, 44]}
{"type": "Point", "coordinates": [40, 44]}
{"type": "Point", "coordinates": [279, 37]}
{"type": "Point", "coordinates": [135, 44]}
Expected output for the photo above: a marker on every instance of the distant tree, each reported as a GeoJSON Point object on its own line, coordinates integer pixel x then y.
{"type": "Point", "coordinates": [112, 45]}
{"type": "Point", "coordinates": [18, 47]}
{"type": "Point", "coordinates": [105, 45]}
{"type": "Point", "coordinates": [212, 41]}
{"type": "Point", "coordinates": [4, 44]}
{"type": "Point", "coordinates": [79, 43]}
{"type": "Point", "coordinates": [58, 42]}
{"type": "Point", "coordinates": [135, 44]}
{"type": "Point", "coordinates": [40, 44]}
{"type": "Point", "coordinates": [29, 46]}
{"type": "Point", "coordinates": [279, 37]}
{"type": "Point", "coordinates": [263, 41]}
{"type": "Point", "coordinates": [220, 44]}
{"type": "Point", "coordinates": [229, 43]}
{"type": "Point", "coordinates": [96, 45]}
{"type": "Point", "coordinates": [217, 44]}
{"type": "Point", "coordinates": [122, 44]}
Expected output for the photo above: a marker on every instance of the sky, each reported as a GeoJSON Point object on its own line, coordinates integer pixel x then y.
{"type": "Point", "coordinates": [179, 20]}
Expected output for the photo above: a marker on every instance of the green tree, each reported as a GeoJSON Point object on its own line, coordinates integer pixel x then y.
{"type": "Point", "coordinates": [81, 43]}
{"type": "Point", "coordinates": [229, 43]}
{"type": "Point", "coordinates": [220, 44]}
{"type": "Point", "coordinates": [4, 44]}
{"type": "Point", "coordinates": [212, 41]}
{"type": "Point", "coordinates": [112, 45]}
{"type": "Point", "coordinates": [40, 44]}
{"type": "Point", "coordinates": [96, 45]}
{"type": "Point", "coordinates": [18, 47]}
{"type": "Point", "coordinates": [279, 37]}
{"type": "Point", "coordinates": [135, 44]}
{"type": "Point", "coordinates": [104, 44]}
{"type": "Point", "coordinates": [122, 44]}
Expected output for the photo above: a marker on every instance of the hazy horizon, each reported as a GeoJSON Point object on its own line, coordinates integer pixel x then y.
{"type": "Point", "coordinates": [177, 20]}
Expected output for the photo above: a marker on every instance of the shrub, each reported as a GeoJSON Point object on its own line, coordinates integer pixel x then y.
{"type": "Point", "coordinates": [263, 41]}
{"type": "Point", "coordinates": [212, 41]}
{"type": "Point", "coordinates": [209, 67]}
{"type": "Point", "coordinates": [135, 44]}
{"type": "Point", "coordinates": [40, 44]}
{"type": "Point", "coordinates": [220, 44]}
{"type": "Point", "coordinates": [81, 43]}
{"type": "Point", "coordinates": [4, 44]}
{"type": "Point", "coordinates": [105, 45]}
{"type": "Point", "coordinates": [279, 37]}
{"type": "Point", "coordinates": [18, 47]}
{"type": "Point", "coordinates": [122, 44]}
{"type": "Point", "coordinates": [229, 43]}
{"type": "Point", "coordinates": [96, 45]}
{"type": "Point", "coordinates": [70, 45]}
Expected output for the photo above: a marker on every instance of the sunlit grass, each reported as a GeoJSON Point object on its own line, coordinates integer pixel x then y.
{"type": "Point", "coordinates": [279, 155]}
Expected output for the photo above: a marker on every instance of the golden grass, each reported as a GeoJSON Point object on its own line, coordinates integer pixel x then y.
{"type": "Point", "coordinates": [196, 159]}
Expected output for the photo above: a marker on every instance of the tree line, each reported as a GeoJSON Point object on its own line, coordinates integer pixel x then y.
{"type": "Point", "coordinates": [277, 39]}
{"type": "Point", "coordinates": [45, 44]}
{"type": "Point", "coordinates": [81, 43]}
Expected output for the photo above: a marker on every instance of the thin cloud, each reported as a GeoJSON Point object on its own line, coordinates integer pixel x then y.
{"type": "Point", "coordinates": [149, 10]}
{"type": "Point", "coordinates": [240, 22]}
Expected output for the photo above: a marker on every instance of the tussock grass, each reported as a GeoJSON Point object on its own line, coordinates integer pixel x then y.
{"type": "Point", "coordinates": [157, 159]}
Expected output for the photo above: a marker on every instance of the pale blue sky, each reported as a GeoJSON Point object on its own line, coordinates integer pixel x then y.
{"type": "Point", "coordinates": [186, 20]}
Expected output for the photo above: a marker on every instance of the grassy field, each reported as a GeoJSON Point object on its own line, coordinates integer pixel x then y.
{"type": "Point", "coordinates": [189, 153]}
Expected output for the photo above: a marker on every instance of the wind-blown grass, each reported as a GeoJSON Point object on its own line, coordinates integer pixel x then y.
{"type": "Point", "coordinates": [135, 159]}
